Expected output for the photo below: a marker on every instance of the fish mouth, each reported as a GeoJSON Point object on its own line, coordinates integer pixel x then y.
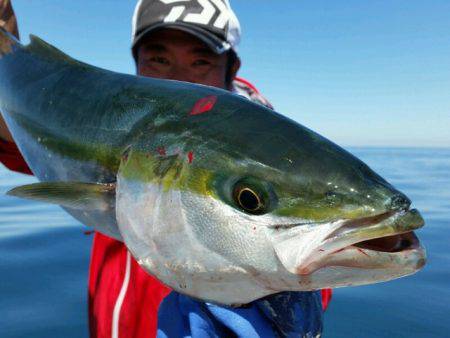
{"type": "Point", "coordinates": [386, 240]}
{"type": "Point", "coordinates": [391, 231]}
{"type": "Point", "coordinates": [395, 243]}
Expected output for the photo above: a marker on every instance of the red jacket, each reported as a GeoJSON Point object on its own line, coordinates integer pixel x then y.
{"type": "Point", "coordinates": [123, 298]}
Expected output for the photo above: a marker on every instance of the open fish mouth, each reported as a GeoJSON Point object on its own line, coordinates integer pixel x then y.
{"type": "Point", "coordinates": [388, 232]}
{"type": "Point", "coordinates": [395, 243]}
{"type": "Point", "coordinates": [385, 241]}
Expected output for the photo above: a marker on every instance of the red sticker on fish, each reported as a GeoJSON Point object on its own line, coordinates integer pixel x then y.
{"type": "Point", "coordinates": [190, 157]}
{"type": "Point", "coordinates": [204, 105]}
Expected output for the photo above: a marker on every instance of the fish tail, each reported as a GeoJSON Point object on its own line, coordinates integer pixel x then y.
{"type": "Point", "coordinates": [8, 43]}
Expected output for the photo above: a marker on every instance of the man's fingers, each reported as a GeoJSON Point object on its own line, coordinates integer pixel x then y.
{"type": "Point", "coordinates": [7, 17]}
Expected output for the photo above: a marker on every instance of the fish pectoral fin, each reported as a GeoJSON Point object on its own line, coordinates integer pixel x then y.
{"type": "Point", "coordinates": [74, 195]}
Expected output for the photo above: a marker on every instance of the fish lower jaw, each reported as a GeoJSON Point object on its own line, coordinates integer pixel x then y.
{"type": "Point", "coordinates": [409, 256]}
{"type": "Point", "coordinates": [379, 242]}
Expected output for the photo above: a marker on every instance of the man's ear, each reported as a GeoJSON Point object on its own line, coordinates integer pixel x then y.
{"type": "Point", "coordinates": [234, 70]}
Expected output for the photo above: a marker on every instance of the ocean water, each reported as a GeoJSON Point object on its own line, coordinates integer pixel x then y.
{"type": "Point", "coordinates": [44, 260]}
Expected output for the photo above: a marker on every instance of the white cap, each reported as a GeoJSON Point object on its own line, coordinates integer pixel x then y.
{"type": "Point", "coordinates": [212, 21]}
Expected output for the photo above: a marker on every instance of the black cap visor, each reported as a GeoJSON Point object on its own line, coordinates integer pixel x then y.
{"type": "Point", "coordinates": [217, 45]}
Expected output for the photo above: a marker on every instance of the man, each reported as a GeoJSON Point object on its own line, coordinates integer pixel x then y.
{"type": "Point", "coordinates": [192, 41]}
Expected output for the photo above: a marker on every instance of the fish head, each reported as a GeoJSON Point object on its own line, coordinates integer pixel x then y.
{"type": "Point", "coordinates": [241, 202]}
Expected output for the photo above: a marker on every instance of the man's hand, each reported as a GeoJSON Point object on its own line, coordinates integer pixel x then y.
{"type": "Point", "coordinates": [7, 18]}
{"type": "Point", "coordinates": [7, 21]}
{"type": "Point", "coordinates": [286, 314]}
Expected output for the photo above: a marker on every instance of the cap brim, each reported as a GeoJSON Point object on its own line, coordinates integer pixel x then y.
{"type": "Point", "coordinates": [216, 44]}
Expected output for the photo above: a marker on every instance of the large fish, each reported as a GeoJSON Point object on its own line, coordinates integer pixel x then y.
{"type": "Point", "coordinates": [219, 198]}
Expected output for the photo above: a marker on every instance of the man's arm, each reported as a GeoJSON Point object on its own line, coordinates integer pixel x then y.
{"type": "Point", "coordinates": [7, 21]}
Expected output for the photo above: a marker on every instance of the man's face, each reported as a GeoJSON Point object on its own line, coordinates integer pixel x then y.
{"type": "Point", "coordinates": [176, 55]}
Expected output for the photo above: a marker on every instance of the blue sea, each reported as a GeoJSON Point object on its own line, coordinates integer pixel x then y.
{"type": "Point", "coordinates": [44, 260]}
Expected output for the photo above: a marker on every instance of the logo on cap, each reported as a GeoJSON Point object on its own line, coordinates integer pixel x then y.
{"type": "Point", "coordinates": [204, 17]}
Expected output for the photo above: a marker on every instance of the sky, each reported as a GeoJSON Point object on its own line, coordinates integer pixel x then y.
{"type": "Point", "coordinates": [361, 73]}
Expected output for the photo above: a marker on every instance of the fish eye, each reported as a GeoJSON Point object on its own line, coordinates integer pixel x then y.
{"type": "Point", "coordinates": [250, 200]}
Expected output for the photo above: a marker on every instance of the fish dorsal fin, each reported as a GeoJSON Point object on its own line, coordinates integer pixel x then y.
{"type": "Point", "coordinates": [74, 195]}
{"type": "Point", "coordinates": [46, 50]}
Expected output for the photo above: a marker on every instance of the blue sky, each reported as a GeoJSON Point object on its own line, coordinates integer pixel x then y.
{"type": "Point", "coordinates": [359, 72]}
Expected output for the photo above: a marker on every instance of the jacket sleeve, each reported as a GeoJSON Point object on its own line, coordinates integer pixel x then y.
{"type": "Point", "coordinates": [12, 159]}
{"type": "Point", "coordinates": [10, 156]}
